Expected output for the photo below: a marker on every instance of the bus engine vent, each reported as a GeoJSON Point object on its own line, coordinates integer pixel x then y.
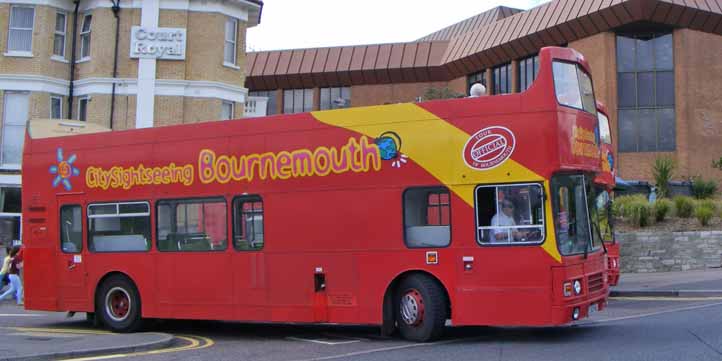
{"type": "Point", "coordinates": [596, 282]}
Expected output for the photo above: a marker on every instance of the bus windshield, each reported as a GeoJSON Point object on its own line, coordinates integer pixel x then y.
{"type": "Point", "coordinates": [573, 87]}
{"type": "Point", "coordinates": [572, 209]}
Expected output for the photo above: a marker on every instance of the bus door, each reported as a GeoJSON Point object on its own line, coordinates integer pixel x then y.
{"type": "Point", "coordinates": [249, 264]}
{"type": "Point", "coordinates": [194, 265]}
{"type": "Point", "coordinates": [503, 280]}
{"type": "Point", "coordinates": [71, 270]}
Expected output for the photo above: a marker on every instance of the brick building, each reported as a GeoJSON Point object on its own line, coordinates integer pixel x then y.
{"type": "Point", "coordinates": [656, 65]}
{"type": "Point", "coordinates": [178, 61]}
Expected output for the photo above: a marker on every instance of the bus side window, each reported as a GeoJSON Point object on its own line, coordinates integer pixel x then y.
{"type": "Point", "coordinates": [508, 214]}
{"type": "Point", "coordinates": [427, 217]}
{"type": "Point", "coordinates": [248, 230]}
{"type": "Point", "coordinates": [71, 229]}
{"type": "Point", "coordinates": [191, 224]}
{"type": "Point", "coordinates": [119, 227]}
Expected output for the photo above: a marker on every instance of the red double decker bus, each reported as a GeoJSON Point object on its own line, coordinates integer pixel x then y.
{"type": "Point", "coordinates": [605, 183]}
{"type": "Point", "coordinates": [475, 211]}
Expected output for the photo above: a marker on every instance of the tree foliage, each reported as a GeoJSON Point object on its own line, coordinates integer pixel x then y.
{"type": "Point", "coordinates": [440, 93]}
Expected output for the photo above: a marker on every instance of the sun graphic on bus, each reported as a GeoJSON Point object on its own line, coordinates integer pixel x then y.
{"type": "Point", "coordinates": [64, 170]}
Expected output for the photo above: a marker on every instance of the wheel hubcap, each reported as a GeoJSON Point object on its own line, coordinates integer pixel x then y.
{"type": "Point", "coordinates": [412, 308]}
{"type": "Point", "coordinates": [117, 304]}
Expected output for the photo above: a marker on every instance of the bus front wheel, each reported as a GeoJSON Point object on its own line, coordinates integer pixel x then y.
{"type": "Point", "coordinates": [421, 308]}
{"type": "Point", "coordinates": [118, 304]}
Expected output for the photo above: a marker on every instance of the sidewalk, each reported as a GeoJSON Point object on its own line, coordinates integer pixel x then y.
{"type": "Point", "coordinates": [28, 335]}
{"type": "Point", "coordinates": [704, 283]}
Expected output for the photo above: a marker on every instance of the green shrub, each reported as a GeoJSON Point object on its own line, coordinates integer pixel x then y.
{"type": "Point", "coordinates": [708, 203]}
{"type": "Point", "coordinates": [440, 93]}
{"type": "Point", "coordinates": [704, 215]}
{"type": "Point", "coordinates": [702, 189]}
{"type": "Point", "coordinates": [662, 171]}
{"type": "Point", "coordinates": [684, 206]}
{"type": "Point", "coordinates": [620, 205]}
{"type": "Point", "coordinates": [662, 208]}
{"type": "Point", "coordinates": [640, 213]}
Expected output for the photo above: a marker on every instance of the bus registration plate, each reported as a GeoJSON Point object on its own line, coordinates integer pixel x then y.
{"type": "Point", "coordinates": [593, 308]}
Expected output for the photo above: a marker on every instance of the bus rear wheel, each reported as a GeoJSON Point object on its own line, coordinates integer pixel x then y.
{"type": "Point", "coordinates": [421, 308]}
{"type": "Point", "coordinates": [118, 305]}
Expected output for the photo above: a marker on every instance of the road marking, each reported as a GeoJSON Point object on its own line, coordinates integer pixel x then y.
{"type": "Point", "coordinates": [61, 330]}
{"type": "Point", "coordinates": [393, 348]}
{"type": "Point", "coordinates": [322, 342]}
{"type": "Point", "coordinates": [19, 315]}
{"type": "Point", "coordinates": [647, 298]}
{"type": "Point", "coordinates": [44, 334]}
{"type": "Point", "coordinates": [194, 344]}
{"type": "Point", "coordinates": [622, 318]}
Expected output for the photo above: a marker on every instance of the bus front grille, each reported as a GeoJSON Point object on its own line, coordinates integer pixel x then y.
{"type": "Point", "coordinates": [596, 282]}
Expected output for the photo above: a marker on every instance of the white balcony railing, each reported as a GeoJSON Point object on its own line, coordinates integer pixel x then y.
{"type": "Point", "coordinates": [255, 107]}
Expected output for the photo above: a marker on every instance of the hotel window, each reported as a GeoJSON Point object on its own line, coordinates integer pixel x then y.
{"type": "Point", "coordinates": [271, 103]}
{"type": "Point", "coordinates": [56, 107]}
{"type": "Point", "coordinates": [15, 117]}
{"type": "Point", "coordinates": [645, 73]}
{"type": "Point", "coordinates": [85, 37]}
{"type": "Point", "coordinates": [297, 101]}
{"type": "Point", "coordinates": [229, 48]}
{"type": "Point", "coordinates": [83, 108]}
{"type": "Point", "coordinates": [472, 79]}
{"type": "Point", "coordinates": [335, 98]}
{"type": "Point", "coordinates": [502, 79]}
{"type": "Point", "coordinates": [226, 110]}
{"type": "Point", "coordinates": [59, 37]}
{"type": "Point", "coordinates": [528, 70]}
{"type": "Point", "coordinates": [20, 29]}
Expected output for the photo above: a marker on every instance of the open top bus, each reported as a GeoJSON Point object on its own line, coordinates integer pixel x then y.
{"type": "Point", "coordinates": [474, 211]}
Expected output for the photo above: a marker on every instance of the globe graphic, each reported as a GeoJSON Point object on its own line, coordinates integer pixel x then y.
{"type": "Point", "coordinates": [387, 147]}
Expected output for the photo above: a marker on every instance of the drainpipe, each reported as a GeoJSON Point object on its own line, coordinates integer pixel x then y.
{"type": "Point", "coordinates": [72, 59]}
{"type": "Point", "coordinates": [116, 11]}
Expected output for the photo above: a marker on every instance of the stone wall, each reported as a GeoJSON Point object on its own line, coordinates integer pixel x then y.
{"type": "Point", "coordinates": [672, 251]}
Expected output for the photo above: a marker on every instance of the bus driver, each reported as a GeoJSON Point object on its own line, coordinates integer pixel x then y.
{"type": "Point", "coordinates": [502, 220]}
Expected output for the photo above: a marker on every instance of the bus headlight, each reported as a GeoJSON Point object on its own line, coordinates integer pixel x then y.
{"type": "Point", "coordinates": [577, 287]}
{"type": "Point", "coordinates": [575, 313]}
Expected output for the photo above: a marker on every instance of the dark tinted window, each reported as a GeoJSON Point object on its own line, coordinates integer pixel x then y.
{"type": "Point", "coordinates": [645, 92]}
{"type": "Point", "coordinates": [528, 70]}
{"type": "Point", "coordinates": [502, 79]}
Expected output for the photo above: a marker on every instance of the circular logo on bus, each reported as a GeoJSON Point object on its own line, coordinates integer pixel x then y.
{"type": "Point", "coordinates": [489, 148]}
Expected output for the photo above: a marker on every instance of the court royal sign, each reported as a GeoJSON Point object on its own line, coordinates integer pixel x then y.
{"type": "Point", "coordinates": [158, 43]}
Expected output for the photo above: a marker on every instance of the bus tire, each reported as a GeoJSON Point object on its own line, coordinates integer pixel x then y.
{"type": "Point", "coordinates": [118, 304]}
{"type": "Point", "coordinates": [420, 308]}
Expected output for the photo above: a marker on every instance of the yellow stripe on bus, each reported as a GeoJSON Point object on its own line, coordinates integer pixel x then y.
{"type": "Point", "coordinates": [422, 134]}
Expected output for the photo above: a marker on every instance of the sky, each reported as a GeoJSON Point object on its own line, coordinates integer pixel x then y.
{"type": "Point", "coordinates": [291, 24]}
